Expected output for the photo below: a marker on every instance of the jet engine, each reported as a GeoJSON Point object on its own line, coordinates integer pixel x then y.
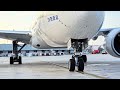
{"type": "Point", "coordinates": [113, 43]}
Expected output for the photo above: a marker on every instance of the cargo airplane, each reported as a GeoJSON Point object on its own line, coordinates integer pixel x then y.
{"type": "Point", "coordinates": [69, 29]}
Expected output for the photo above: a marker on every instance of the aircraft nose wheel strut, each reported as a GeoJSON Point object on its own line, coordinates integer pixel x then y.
{"type": "Point", "coordinates": [78, 59]}
{"type": "Point", "coordinates": [16, 57]}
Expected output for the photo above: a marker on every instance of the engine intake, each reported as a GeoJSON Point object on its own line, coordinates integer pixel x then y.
{"type": "Point", "coordinates": [113, 43]}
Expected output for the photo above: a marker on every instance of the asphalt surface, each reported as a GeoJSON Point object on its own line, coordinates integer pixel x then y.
{"type": "Point", "coordinates": [56, 67]}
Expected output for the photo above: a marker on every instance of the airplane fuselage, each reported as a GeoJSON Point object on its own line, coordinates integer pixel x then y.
{"type": "Point", "coordinates": [56, 28]}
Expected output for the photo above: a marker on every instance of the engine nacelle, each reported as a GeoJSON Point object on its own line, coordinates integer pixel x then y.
{"type": "Point", "coordinates": [113, 43]}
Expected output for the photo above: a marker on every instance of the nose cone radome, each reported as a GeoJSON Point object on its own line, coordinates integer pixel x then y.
{"type": "Point", "coordinates": [93, 15]}
{"type": "Point", "coordinates": [87, 23]}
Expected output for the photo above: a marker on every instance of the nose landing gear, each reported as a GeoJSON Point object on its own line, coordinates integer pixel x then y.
{"type": "Point", "coordinates": [78, 59]}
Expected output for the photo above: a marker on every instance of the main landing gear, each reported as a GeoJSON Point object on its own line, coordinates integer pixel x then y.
{"type": "Point", "coordinates": [78, 59]}
{"type": "Point", "coordinates": [16, 57]}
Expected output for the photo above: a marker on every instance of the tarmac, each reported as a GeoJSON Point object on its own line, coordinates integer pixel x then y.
{"type": "Point", "coordinates": [56, 67]}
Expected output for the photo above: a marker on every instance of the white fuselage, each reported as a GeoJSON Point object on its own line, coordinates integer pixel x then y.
{"type": "Point", "coordinates": [56, 28]}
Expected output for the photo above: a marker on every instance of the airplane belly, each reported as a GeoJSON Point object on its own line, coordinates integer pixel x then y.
{"type": "Point", "coordinates": [38, 42]}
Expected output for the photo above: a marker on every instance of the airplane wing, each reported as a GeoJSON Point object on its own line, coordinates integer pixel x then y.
{"type": "Point", "coordinates": [103, 32]}
{"type": "Point", "coordinates": [20, 36]}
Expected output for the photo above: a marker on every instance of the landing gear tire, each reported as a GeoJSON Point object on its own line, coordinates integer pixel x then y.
{"type": "Point", "coordinates": [11, 60]}
{"type": "Point", "coordinates": [20, 60]}
{"type": "Point", "coordinates": [80, 64]}
{"type": "Point", "coordinates": [71, 65]}
{"type": "Point", "coordinates": [84, 58]}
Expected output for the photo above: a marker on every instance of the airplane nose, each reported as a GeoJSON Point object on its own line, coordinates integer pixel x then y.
{"type": "Point", "coordinates": [82, 13]}
{"type": "Point", "coordinates": [91, 17]}
{"type": "Point", "coordinates": [87, 21]}
{"type": "Point", "coordinates": [92, 14]}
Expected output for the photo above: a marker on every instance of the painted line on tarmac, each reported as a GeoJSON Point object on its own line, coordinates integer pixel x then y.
{"type": "Point", "coordinates": [101, 77]}
{"type": "Point", "coordinates": [90, 74]}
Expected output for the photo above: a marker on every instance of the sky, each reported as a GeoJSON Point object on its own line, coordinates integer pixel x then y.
{"type": "Point", "coordinates": [24, 20]}
{"type": "Point", "coordinates": [17, 20]}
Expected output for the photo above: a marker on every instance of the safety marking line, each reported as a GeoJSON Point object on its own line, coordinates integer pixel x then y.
{"type": "Point", "coordinates": [101, 77]}
{"type": "Point", "coordinates": [94, 75]}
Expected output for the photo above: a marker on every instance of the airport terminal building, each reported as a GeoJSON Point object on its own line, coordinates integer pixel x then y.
{"type": "Point", "coordinates": [28, 50]}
